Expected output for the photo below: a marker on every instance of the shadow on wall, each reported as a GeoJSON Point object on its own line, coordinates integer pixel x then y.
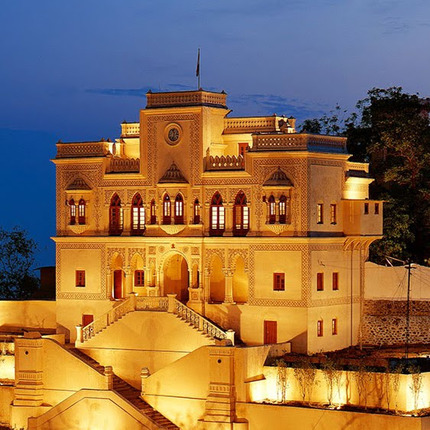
{"type": "Point", "coordinates": [299, 343]}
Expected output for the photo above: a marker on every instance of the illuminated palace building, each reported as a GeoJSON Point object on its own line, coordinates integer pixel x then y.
{"type": "Point", "coordinates": [188, 251]}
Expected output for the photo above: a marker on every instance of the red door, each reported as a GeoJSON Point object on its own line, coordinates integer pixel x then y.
{"type": "Point", "coordinates": [270, 332]}
{"type": "Point", "coordinates": [117, 284]}
{"type": "Point", "coordinates": [87, 319]}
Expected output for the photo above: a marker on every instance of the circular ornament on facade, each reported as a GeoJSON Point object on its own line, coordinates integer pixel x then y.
{"type": "Point", "coordinates": [173, 134]}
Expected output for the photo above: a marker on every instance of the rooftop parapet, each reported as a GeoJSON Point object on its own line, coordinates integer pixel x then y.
{"type": "Point", "coordinates": [130, 129]}
{"type": "Point", "coordinates": [262, 124]}
{"type": "Point", "coordinates": [298, 142]}
{"type": "Point", "coordinates": [185, 98]}
{"type": "Point", "coordinates": [82, 149]}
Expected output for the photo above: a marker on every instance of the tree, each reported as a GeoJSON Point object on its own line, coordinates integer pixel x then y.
{"type": "Point", "coordinates": [16, 259]}
{"type": "Point", "coordinates": [394, 134]}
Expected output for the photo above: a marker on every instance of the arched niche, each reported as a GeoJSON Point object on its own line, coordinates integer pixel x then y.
{"type": "Point", "coordinates": [240, 282]}
{"type": "Point", "coordinates": [175, 273]}
{"type": "Point", "coordinates": [217, 280]}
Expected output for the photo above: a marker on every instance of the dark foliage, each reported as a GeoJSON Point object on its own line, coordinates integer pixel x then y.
{"type": "Point", "coordinates": [16, 259]}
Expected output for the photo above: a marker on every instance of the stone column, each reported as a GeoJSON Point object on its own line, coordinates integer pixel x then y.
{"type": "Point", "coordinates": [228, 295]}
{"type": "Point", "coordinates": [128, 273]}
{"type": "Point", "coordinates": [207, 285]}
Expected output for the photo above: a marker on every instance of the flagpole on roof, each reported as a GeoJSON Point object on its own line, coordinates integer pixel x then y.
{"type": "Point", "coordinates": [198, 70]}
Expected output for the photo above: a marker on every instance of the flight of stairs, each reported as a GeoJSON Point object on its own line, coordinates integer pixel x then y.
{"type": "Point", "coordinates": [128, 392]}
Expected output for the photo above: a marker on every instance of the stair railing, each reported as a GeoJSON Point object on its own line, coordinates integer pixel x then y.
{"type": "Point", "coordinates": [108, 318]}
{"type": "Point", "coordinates": [199, 322]}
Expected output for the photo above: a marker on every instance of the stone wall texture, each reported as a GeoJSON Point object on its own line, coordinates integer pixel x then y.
{"type": "Point", "coordinates": [385, 322]}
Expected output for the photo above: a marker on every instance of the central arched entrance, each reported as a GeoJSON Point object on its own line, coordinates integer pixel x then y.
{"type": "Point", "coordinates": [175, 271]}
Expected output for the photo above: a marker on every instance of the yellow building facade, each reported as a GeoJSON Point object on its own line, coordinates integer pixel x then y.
{"type": "Point", "coordinates": [257, 228]}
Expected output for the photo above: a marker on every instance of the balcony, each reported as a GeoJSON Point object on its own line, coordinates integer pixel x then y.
{"type": "Point", "coordinates": [362, 217]}
{"type": "Point", "coordinates": [225, 162]}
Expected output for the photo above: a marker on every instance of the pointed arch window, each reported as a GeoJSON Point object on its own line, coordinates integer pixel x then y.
{"type": "Point", "coordinates": [283, 209]}
{"type": "Point", "coordinates": [137, 216]}
{"type": "Point", "coordinates": [153, 212]}
{"type": "Point", "coordinates": [196, 212]}
{"type": "Point", "coordinates": [115, 216]}
{"type": "Point", "coordinates": [272, 209]}
{"type": "Point", "coordinates": [167, 218]}
{"type": "Point", "coordinates": [179, 209]}
{"type": "Point", "coordinates": [81, 211]}
{"type": "Point", "coordinates": [72, 207]}
{"type": "Point", "coordinates": [240, 215]}
{"type": "Point", "coordinates": [217, 216]}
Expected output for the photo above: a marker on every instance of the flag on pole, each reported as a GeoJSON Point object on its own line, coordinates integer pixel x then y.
{"type": "Point", "coordinates": [198, 64]}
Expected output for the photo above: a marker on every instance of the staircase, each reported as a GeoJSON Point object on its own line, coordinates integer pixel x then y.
{"type": "Point", "coordinates": [163, 304]}
{"type": "Point", "coordinates": [128, 392]}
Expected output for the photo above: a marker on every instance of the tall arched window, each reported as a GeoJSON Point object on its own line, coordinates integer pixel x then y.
{"type": "Point", "coordinates": [196, 212]}
{"type": "Point", "coordinates": [217, 216]}
{"type": "Point", "coordinates": [153, 212]}
{"type": "Point", "coordinates": [179, 209]}
{"type": "Point", "coordinates": [72, 207]}
{"type": "Point", "coordinates": [282, 209]}
{"type": "Point", "coordinates": [240, 215]}
{"type": "Point", "coordinates": [272, 210]}
{"type": "Point", "coordinates": [137, 216]}
{"type": "Point", "coordinates": [167, 219]}
{"type": "Point", "coordinates": [115, 216]}
{"type": "Point", "coordinates": [81, 211]}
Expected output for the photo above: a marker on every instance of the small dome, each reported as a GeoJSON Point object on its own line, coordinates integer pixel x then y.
{"type": "Point", "coordinates": [277, 179]}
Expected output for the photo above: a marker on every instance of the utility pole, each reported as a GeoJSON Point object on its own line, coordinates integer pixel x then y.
{"type": "Point", "coordinates": [408, 308]}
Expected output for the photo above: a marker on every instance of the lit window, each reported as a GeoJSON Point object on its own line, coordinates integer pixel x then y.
{"type": "Point", "coordinates": [81, 211]}
{"type": "Point", "coordinates": [72, 212]}
{"type": "Point", "coordinates": [320, 281]}
{"type": "Point", "coordinates": [335, 281]}
{"type": "Point", "coordinates": [334, 326]}
{"type": "Point", "coordinates": [240, 215]}
{"type": "Point", "coordinates": [333, 214]}
{"type": "Point", "coordinates": [279, 282]}
{"type": "Point", "coordinates": [166, 209]}
{"type": "Point", "coordinates": [376, 208]}
{"type": "Point", "coordinates": [179, 209]}
{"type": "Point", "coordinates": [320, 213]}
{"type": "Point", "coordinates": [153, 212]}
{"type": "Point", "coordinates": [80, 278]}
{"type": "Point", "coordinates": [137, 216]}
{"type": "Point", "coordinates": [196, 212]}
{"type": "Point", "coordinates": [217, 216]}
{"type": "Point", "coordinates": [366, 208]}
{"type": "Point", "coordinates": [139, 278]}
{"type": "Point", "coordinates": [272, 210]}
{"type": "Point", "coordinates": [320, 328]}
{"type": "Point", "coordinates": [282, 210]}
{"type": "Point", "coordinates": [115, 216]}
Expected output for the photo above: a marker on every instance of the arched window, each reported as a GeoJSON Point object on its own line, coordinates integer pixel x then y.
{"type": "Point", "coordinates": [166, 209]}
{"type": "Point", "coordinates": [153, 212]}
{"type": "Point", "coordinates": [282, 209]}
{"type": "Point", "coordinates": [240, 215]}
{"type": "Point", "coordinates": [137, 216]}
{"type": "Point", "coordinates": [196, 212]}
{"type": "Point", "coordinates": [72, 207]}
{"type": "Point", "coordinates": [217, 216]}
{"type": "Point", "coordinates": [272, 210]}
{"type": "Point", "coordinates": [81, 211]}
{"type": "Point", "coordinates": [179, 209]}
{"type": "Point", "coordinates": [115, 216]}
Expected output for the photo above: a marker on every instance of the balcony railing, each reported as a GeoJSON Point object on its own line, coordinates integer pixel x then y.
{"type": "Point", "coordinates": [225, 162]}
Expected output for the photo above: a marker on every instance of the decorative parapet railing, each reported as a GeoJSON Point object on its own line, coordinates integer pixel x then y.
{"type": "Point", "coordinates": [225, 162]}
{"type": "Point", "coordinates": [296, 142]}
{"type": "Point", "coordinates": [186, 98]}
{"type": "Point", "coordinates": [130, 129]}
{"type": "Point", "coordinates": [123, 165]}
{"type": "Point", "coordinates": [107, 319]}
{"type": "Point", "coordinates": [82, 149]}
{"type": "Point", "coordinates": [152, 303]}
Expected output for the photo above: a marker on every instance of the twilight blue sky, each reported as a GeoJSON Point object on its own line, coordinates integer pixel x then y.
{"type": "Point", "coordinates": [75, 70]}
